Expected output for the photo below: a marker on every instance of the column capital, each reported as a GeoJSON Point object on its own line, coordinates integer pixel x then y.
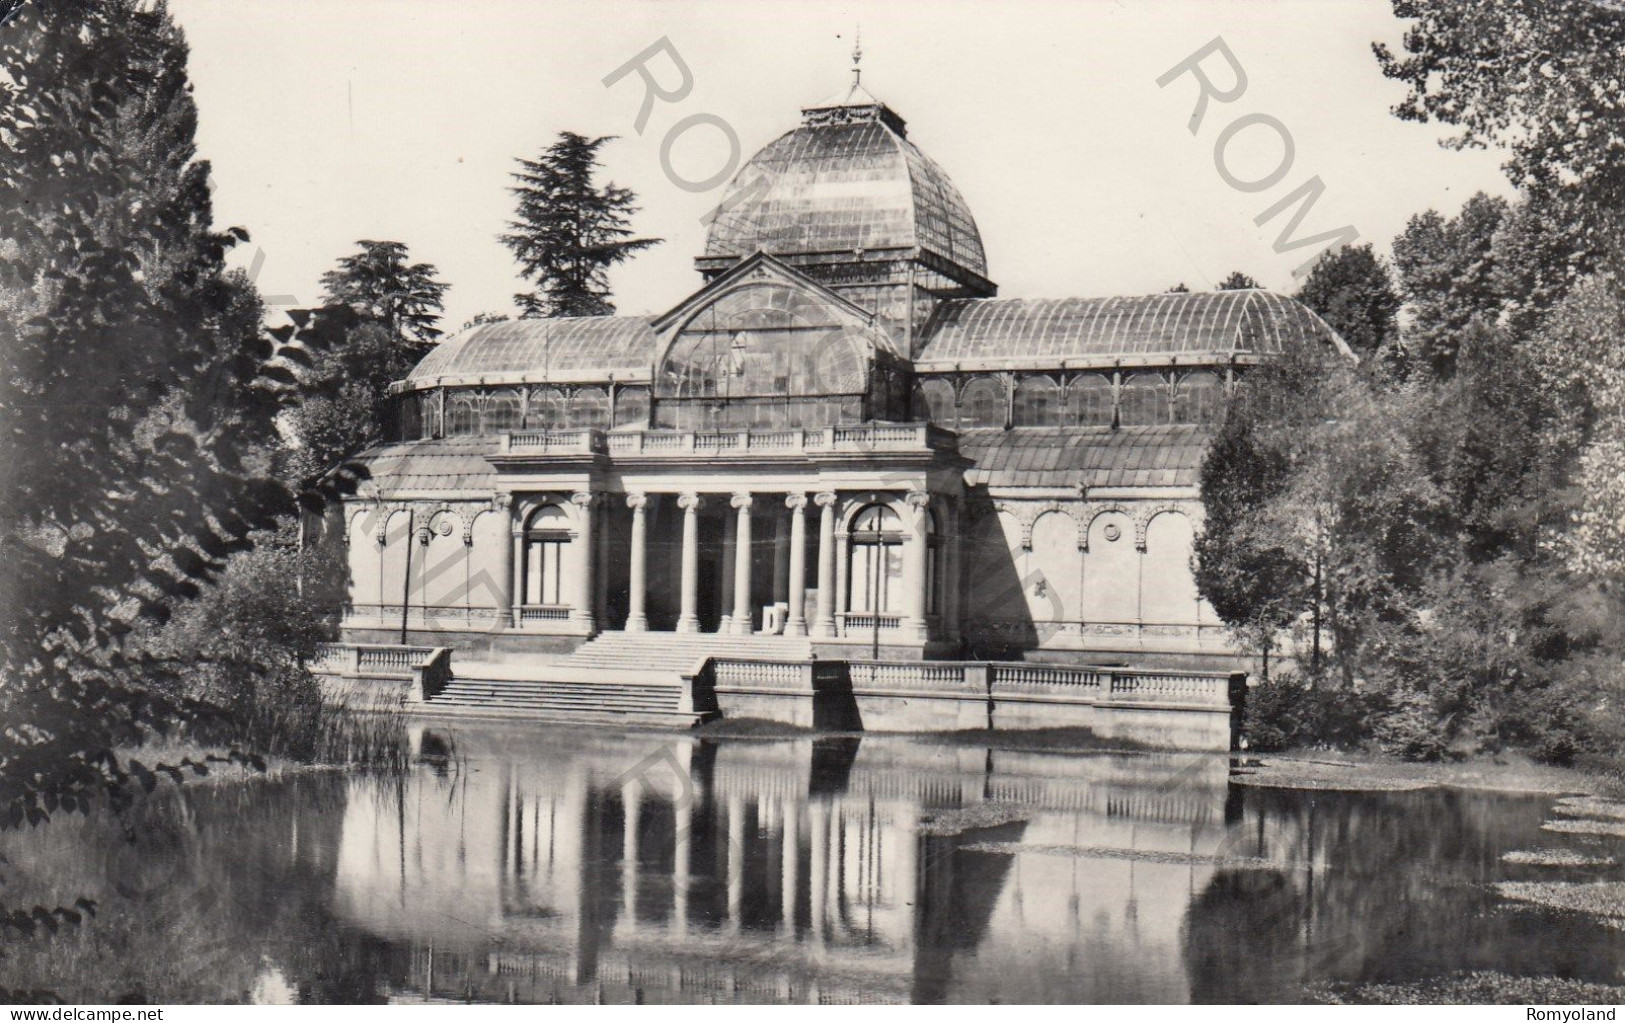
{"type": "Point", "coordinates": [795, 502]}
{"type": "Point", "coordinates": [502, 500]}
{"type": "Point", "coordinates": [688, 500]}
{"type": "Point", "coordinates": [917, 499]}
{"type": "Point", "coordinates": [637, 500]}
{"type": "Point", "coordinates": [584, 498]}
{"type": "Point", "coordinates": [824, 498]}
{"type": "Point", "coordinates": [741, 499]}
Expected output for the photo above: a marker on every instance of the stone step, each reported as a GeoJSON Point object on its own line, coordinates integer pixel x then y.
{"type": "Point", "coordinates": [681, 651]}
{"type": "Point", "coordinates": [651, 719]}
{"type": "Point", "coordinates": [573, 691]}
{"type": "Point", "coordinates": [584, 699]}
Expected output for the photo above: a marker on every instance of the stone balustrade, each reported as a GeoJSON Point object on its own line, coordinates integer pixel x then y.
{"type": "Point", "coordinates": [855, 623]}
{"type": "Point", "coordinates": [855, 439]}
{"type": "Point", "coordinates": [552, 442]}
{"type": "Point", "coordinates": [369, 660]}
{"type": "Point", "coordinates": [544, 613]}
{"type": "Point", "coordinates": [921, 676]}
{"type": "Point", "coordinates": [993, 679]}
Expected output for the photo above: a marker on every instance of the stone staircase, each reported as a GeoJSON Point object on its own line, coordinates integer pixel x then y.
{"type": "Point", "coordinates": [642, 700]}
{"type": "Point", "coordinates": [627, 678]}
{"type": "Point", "coordinates": [670, 651]}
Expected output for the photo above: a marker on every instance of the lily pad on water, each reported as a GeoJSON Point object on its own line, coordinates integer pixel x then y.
{"type": "Point", "coordinates": [982, 815]}
{"type": "Point", "coordinates": [1586, 827]}
{"type": "Point", "coordinates": [1482, 988]}
{"type": "Point", "coordinates": [1556, 858]}
{"type": "Point", "coordinates": [1134, 855]}
{"type": "Point", "coordinates": [1597, 898]}
{"type": "Point", "coordinates": [1590, 806]}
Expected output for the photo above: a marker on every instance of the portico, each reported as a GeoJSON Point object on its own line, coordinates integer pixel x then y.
{"type": "Point", "coordinates": [842, 537]}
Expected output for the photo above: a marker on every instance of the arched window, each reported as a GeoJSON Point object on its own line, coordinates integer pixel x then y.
{"type": "Point", "coordinates": [631, 405]}
{"type": "Point", "coordinates": [1089, 400]}
{"type": "Point", "coordinates": [982, 403]}
{"type": "Point", "coordinates": [875, 568]}
{"type": "Point", "coordinates": [1144, 400]}
{"type": "Point", "coordinates": [502, 412]}
{"type": "Point", "coordinates": [1199, 397]}
{"type": "Point", "coordinates": [547, 410]}
{"type": "Point", "coordinates": [1038, 402]}
{"type": "Point", "coordinates": [547, 535]}
{"type": "Point", "coordinates": [934, 402]}
{"type": "Point", "coordinates": [589, 409]}
{"type": "Point", "coordinates": [463, 416]}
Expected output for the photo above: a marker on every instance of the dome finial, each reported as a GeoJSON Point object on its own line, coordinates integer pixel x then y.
{"type": "Point", "coordinates": [857, 56]}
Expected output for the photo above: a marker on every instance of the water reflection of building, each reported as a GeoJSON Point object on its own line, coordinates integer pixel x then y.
{"type": "Point", "coordinates": [785, 871]}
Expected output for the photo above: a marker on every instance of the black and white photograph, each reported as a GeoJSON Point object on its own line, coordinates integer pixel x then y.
{"type": "Point", "coordinates": [812, 502]}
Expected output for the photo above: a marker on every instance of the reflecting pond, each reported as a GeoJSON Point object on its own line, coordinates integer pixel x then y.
{"type": "Point", "coordinates": [582, 866]}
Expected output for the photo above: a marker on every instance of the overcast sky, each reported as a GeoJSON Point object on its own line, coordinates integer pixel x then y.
{"type": "Point", "coordinates": [333, 120]}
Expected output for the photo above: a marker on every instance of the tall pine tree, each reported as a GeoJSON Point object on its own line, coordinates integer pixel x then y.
{"type": "Point", "coordinates": [405, 298]}
{"type": "Point", "coordinates": [568, 232]}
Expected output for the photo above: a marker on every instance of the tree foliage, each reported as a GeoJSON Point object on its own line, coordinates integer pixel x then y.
{"type": "Point", "coordinates": [1238, 281]}
{"type": "Point", "coordinates": [378, 282]}
{"type": "Point", "coordinates": [1316, 506]}
{"type": "Point", "coordinates": [1446, 271]}
{"type": "Point", "coordinates": [1354, 293]}
{"type": "Point", "coordinates": [567, 231]}
{"type": "Point", "coordinates": [1538, 78]}
{"type": "Point", "coordinates": [138, 391]}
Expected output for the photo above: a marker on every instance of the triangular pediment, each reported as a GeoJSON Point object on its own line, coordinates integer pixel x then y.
{"type": "Point", "coordinates": [757, 269]}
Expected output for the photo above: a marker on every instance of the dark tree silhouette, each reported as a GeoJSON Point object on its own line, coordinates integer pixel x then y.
{"type": "Point", "coordinates": [567, 232]}
{"type": "Point", "coordinates": [1353, 292]}
{"type": "Point", "coordinates": [378, 282]}
{"type": "Point", "coordinates": [1238, 281]}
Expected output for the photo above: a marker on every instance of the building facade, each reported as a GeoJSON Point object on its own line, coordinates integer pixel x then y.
{"type": "Point", "coordinates": [843, 435]}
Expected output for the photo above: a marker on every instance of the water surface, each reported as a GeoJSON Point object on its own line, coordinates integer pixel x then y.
{"type": "Point", "coordinates": [581, 866]}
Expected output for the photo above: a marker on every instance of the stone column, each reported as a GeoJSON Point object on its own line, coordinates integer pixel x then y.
{"type": "Point", "coordinates": [503, 598]}
{"type": "Point", "coordinates": [843, 566]}
{"type": "Point", "coordinates": [823, 625]}
{"type": "Point", "coordinates": [688, 618]}
{"type": "Point", "coordinates": [953, 570]}
{"type": "Point", "coordinates": [781, 556]}
{"type": "Point", "coordinates": [584, 502]}
{"type": "Point", "coordinates": [914, 555]}
{"type": "Point", "coordinates": [725, 581]}
{"type": "Point", "coordinates": [742, 618]}
{"type": "Point", "coordinates": [795, 623]}
{"type": "Point", "coordinates": [636, 618]}
{"type": "Point", "coordinates": [516, 561]}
